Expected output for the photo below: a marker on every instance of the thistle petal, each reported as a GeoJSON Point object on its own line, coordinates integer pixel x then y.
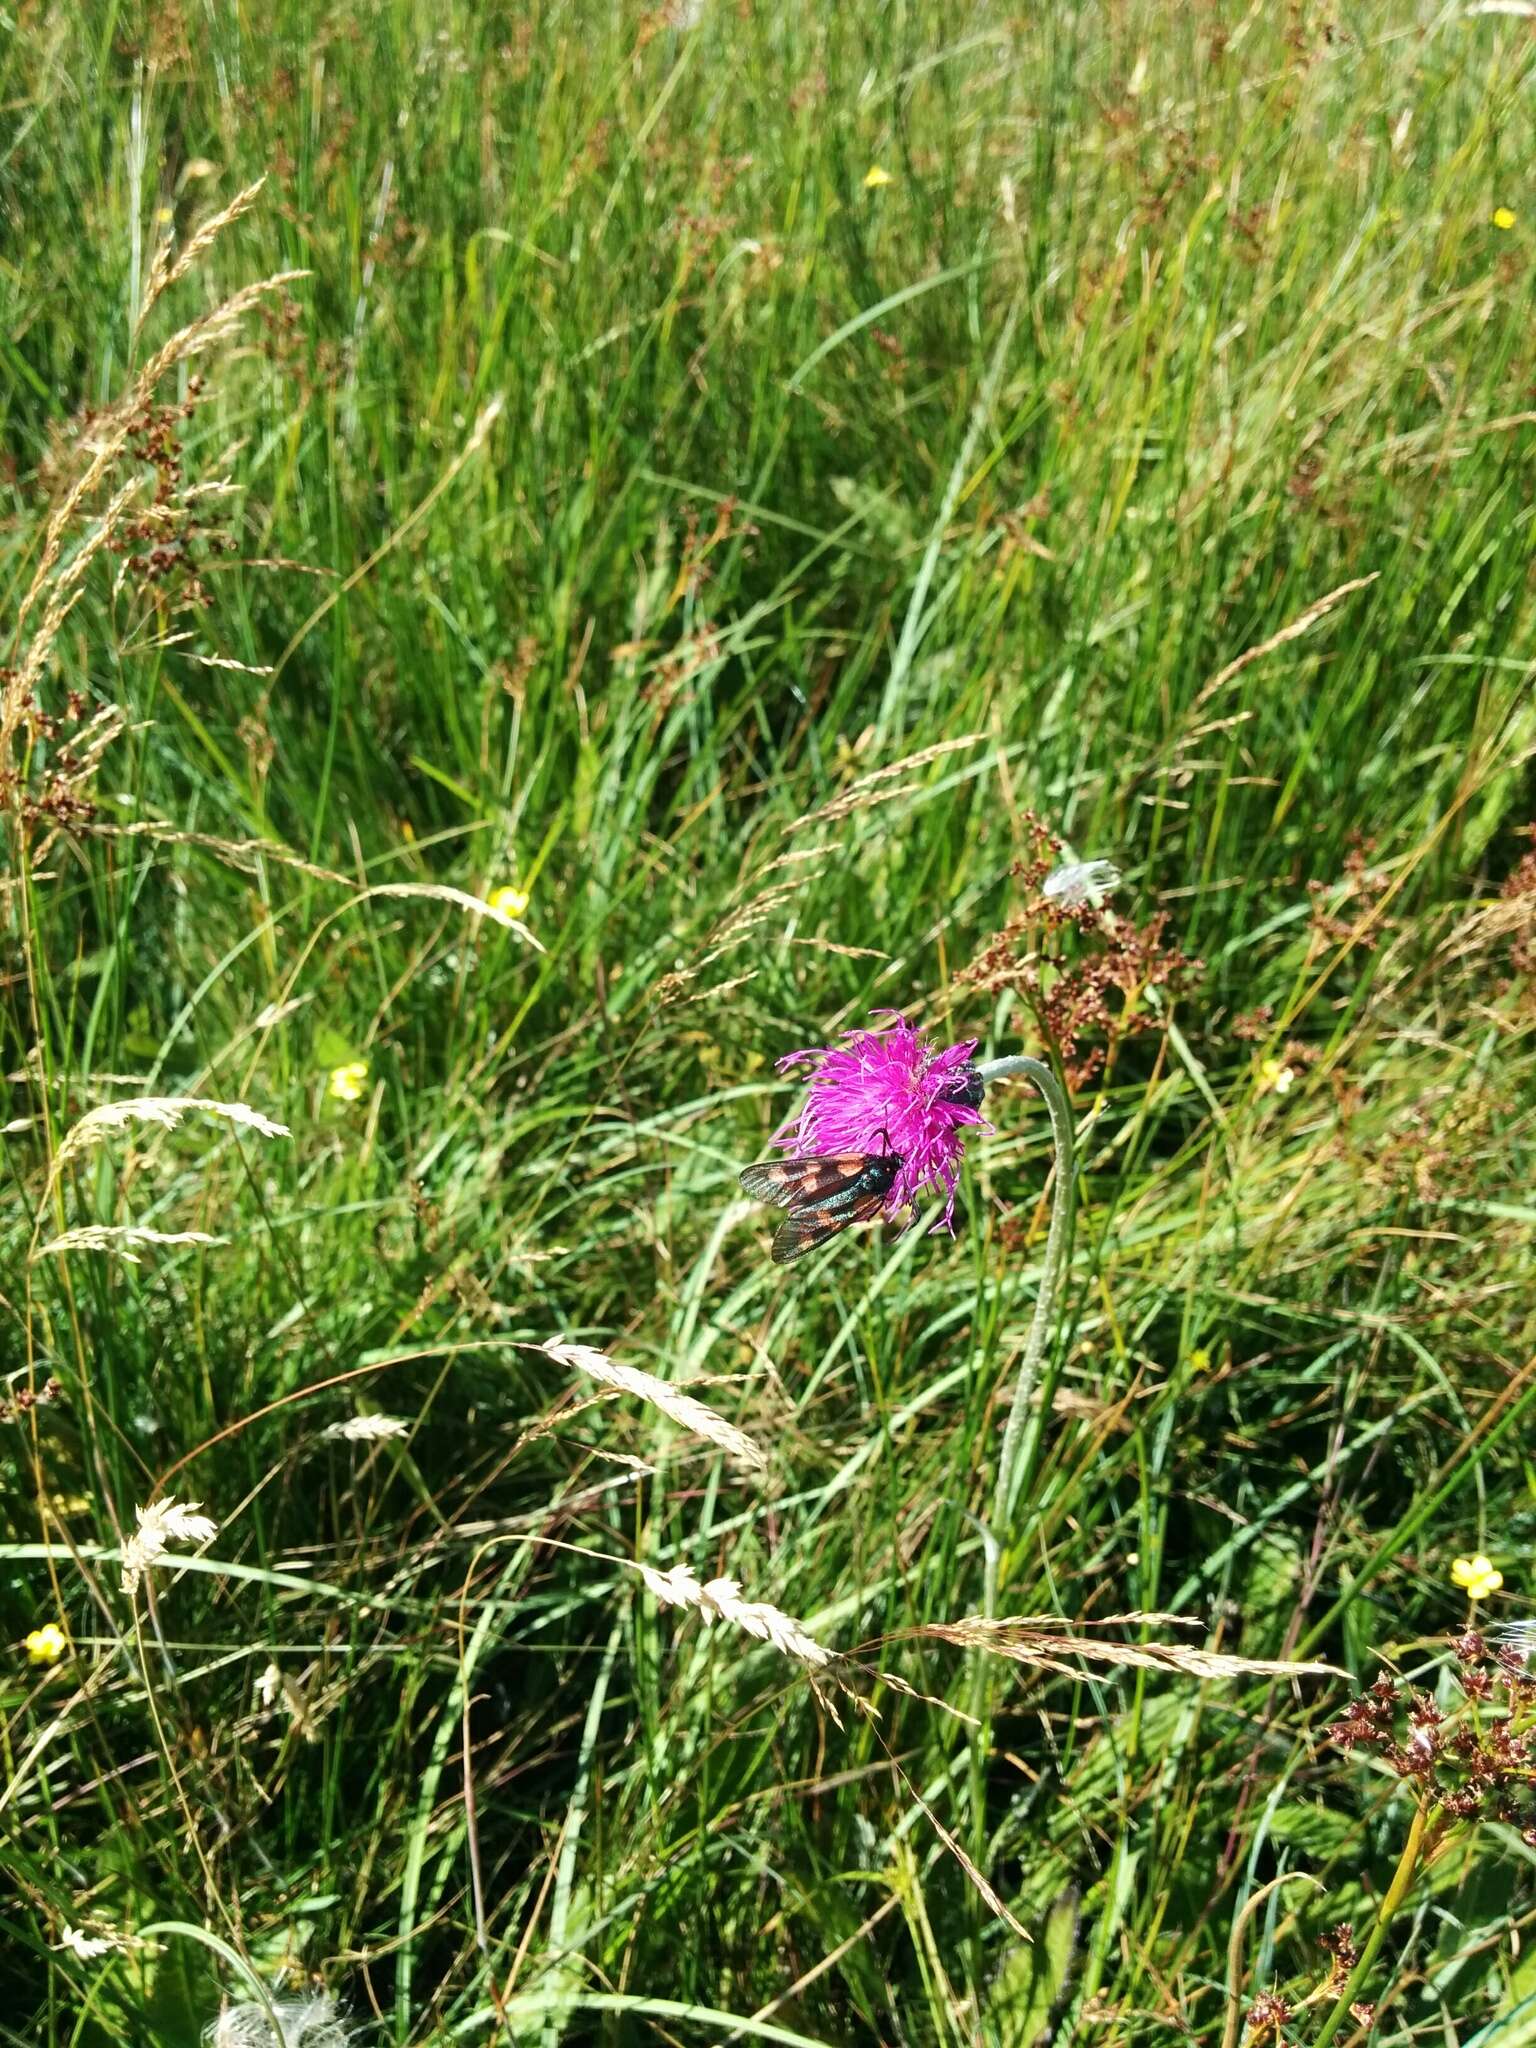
{"type": "Point", "coordinates": [890, 1090]}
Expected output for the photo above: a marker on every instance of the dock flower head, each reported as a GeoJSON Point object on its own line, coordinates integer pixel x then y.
{"type": "Point", "coordinates": [889, 1090]}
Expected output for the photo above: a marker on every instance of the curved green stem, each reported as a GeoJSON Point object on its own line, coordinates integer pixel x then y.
{"type": "Point", "coordinates": [1013, 1466]}
{"type": "Point", "coordinates": [1397, 1891]}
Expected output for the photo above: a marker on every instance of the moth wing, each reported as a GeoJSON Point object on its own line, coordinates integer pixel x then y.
{"type": "Point", "coordinates": [807, 1228]}
{"type": "Point", "coordinates": [795, 1183]}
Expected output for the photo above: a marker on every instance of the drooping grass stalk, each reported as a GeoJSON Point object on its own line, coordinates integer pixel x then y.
{"type": "Point", "coordinates": [1012, 1465]}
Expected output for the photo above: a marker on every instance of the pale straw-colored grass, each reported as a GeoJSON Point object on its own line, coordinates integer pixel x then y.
{"type": "Point", "coordinates": [166, 270]}
{"type": "Point", "coordinates": [163, 1112]}
{"type": "Point", "coordinates": [124, 1240]}
{"type": "Point", "coordinates": [441, 892]}
{"type": "Point", "coordinates": [678, 1407]}
{"type": "Point", "coordinates": [163, 1524]}
{"type": "Point", "coordinates": [720, 1600]}
{"type": "Point", "coordinates": [1293, 630]}
{"type": "Point", "coordinates": [1045, 1644]}
{"type": "Point", "coordinates": [367, 1429]}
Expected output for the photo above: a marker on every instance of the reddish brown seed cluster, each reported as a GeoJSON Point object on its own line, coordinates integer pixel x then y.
{"type": "Point", "coordinates": [1476, 1762]}
{"type": "Point", "coordinates": [166, 544]}
{"type": "Point", "coordinates": [1082, 971]}
{"type": "Point", "coordinates": [1267, 2018]}
{"type": "Point", "coordinates": [1348, 912]}
{"type": "Point", "coordinates": [25, 1399]}
{"type": "Point", "coordinates": [1339, 1943]}
{"type": "Point", "coordinates": [56, 794]}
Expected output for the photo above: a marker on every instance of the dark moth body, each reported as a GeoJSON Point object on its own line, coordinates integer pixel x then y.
{"type": "Point", "coordinates": [823, 1195]}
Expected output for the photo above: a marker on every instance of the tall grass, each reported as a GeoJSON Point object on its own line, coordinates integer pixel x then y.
{"type": "Point", "coordinates": [621, 499]}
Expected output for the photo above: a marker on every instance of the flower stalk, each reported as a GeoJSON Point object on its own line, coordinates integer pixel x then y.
{"type": "Point", "coordinates": [1013, 1465]}
{"type": "Point", "coordinates": [1397, 1891]}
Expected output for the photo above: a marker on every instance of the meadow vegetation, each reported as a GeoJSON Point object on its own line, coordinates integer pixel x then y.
{"type": "Point", "coordinates": [639, 540]}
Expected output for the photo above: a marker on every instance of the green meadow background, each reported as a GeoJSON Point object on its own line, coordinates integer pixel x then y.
{"type": "Point", "coordinates": [632, 502]}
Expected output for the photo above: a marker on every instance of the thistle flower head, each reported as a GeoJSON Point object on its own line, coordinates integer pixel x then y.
{"type": "Point", "coordinates": [888, 1090]}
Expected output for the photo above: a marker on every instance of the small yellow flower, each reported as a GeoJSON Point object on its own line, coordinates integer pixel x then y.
{"type": "Point", "coordinates": [874, 178]}
{"type": "Point", "coordinates": [348, 1081]}
{"type": "Point", "coordinates": [1476, 1576]}
{"type": "Point", "coordinates": [1504, 217]}
{"type": "Point", "coordinates": [1275, 1078]}
{"type": "Point", "coordinates": [1200, 1359]}
{"type": "Point", "coordinates": [511, 902]}
{"type": "Point", "coordinates": [46, 1645]}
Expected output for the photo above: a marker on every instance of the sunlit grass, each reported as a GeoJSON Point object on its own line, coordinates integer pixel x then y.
{"type": "Point", "coordinates": [624, 600]}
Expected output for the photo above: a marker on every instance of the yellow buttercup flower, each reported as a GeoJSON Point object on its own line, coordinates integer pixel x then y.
{"type": "Point", "coordinates": [874, 178]}
{"type": "Point", "coordinates": [1504, 217]}
{"type": "Point", "coordinates": [1477, 1576]}
{"type": "Point", "coordinates": [510, 901]}
{"type": "Point", "coordinates": [1275, 1078]}
{"type": "Point", "coordinates": [348, 1081]}
{"type": "Point", "coordinates": [46, 1645]}
{"type": "Point", "coordinates": [1200, 1359]}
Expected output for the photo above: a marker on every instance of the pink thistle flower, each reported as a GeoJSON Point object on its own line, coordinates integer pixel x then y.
{"type": "Point", "coordinates": [890, 1091]}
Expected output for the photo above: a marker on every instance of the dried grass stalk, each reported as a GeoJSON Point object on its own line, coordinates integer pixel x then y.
{"type": "Point", "coordinates": [245, 854]}
{"type": "Point", "coordinates": [678, 1407]}
{"type": "Point", "coordinates": [163, 272]}
{"type": "Point", "coordinates": [869, 789]}
{"type": "Point", "coordinates": [1043, 1643]}
{"type": "Point", "coordinates": [110, 432]}
{"type": "Point", "coordinates": [440, 892]}
{"type": "Point", "coordinates": [62, 598]}
{"type": "Point", "coordinates": [165, 1111]}
{"type": "Point", "coordinates": [124, 1239]}
{"type": "Point", "coordinates": [1302, 623]}
{"type": "Point", "coordinates": [720, 1600]}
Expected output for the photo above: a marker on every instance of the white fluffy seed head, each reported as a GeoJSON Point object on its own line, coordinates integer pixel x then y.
{"type": "Point", "coordinates": [1079, 882]}
{"type": "Point", "coordinates": [301, 2023]}
{"type": "Point", "coordinates": [162, 1524]}
{"type": "Point", "coordinates": [88, 1948]}
{"type": "Point", "coordinates": [367, 1429]}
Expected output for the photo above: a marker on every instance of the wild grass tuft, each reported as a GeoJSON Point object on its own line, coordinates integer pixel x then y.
{"type": "Point", "coordinates": [552, 556]}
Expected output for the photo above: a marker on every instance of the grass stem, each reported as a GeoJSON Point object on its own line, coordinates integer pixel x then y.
{"type": "Point", "coordinates": [1012, 1465]}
